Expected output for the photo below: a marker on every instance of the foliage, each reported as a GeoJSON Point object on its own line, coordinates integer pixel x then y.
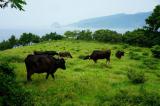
{"type": "Point", "coordinates": [10, 92]}
{"type": "Point", "coordinates": [71, 34]}
{"type": "Point", "coordinates": [27, 38]}
{"type": "Point", "coordinates": [14, 58]}
{"type": "Point", "coordinates": [136, 76]}
{"type": "Point", "coordinates": [145, 54]}
{"type": "Point", "coordinates": [134, 55]}
{"type": "Point", "coordinates": [135, 37]}
{"type": "Point", "coordinates": [84, 35]}
{"type": "Point", "coordinates": [153, 21]}
{"type": "Point", "coordinates": [156, 51]}
{"type": "Point", "coordinates": [5, 45]}
{"type": "Point", "coordinates": [8, 44]}
{"type": "Point", "coordinates": [107, 36]}
{"type": "Point", "coordinates": [125, 98]}
{"type": "Point", "coordinates": [18, 4]}
{"type": "Point", "coordinates": [51, 36]}
{"type": "Point", "coordinates": [13, 41]}
{"type": "Point", "coordinates": [144, 98]}
{"type": "Point", "coordinates": [84, 82]}
{"type": "Point", "coordinates": [150, 63]}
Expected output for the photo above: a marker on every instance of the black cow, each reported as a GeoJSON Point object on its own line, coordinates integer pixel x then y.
{"type": "Point", "coordinates": [52, 53]}
{"type": "Point", "coordinates": [119, 54]}
{"type": "Point", "coordinates": [65, 54]}
{"type": "Point", "coordinates": [99, 54]}
{"type": "Point", "coordinates": [43, 64]}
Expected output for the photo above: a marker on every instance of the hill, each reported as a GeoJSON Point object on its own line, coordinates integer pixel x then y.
{"type": "Point", "coordinates": [85, 83]}
{"type": "Point", "coordinates": [120, 21]}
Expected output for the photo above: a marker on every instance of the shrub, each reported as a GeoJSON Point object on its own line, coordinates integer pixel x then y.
{"type": "Point", "coordinates": [125, 46]}
{"type": "Point", "coordinates": [51, 36]}
{"type": "Point", "coordinates": [136, 76]}
{"type": "Point", "coordinates": [27, 38]}
{"type": "Point", "coordinates": [10, 92]}
{"type": "Point", "coordinates": [150, 63]}
{"type": "Point", "coordinates": [126, 98]}
{"type": "Point", "coordinates": [135, 56]}
{"type": "Point", "coordinates": [102, 99]}
{"type": "Point", "coordinates": [11, 59]}
{"type": "Point", "coordinates": [145, 54]}
{"type": "Point", "coordinates": [151, 99]}
{"type": "Point", "coordinates": [156, 51]}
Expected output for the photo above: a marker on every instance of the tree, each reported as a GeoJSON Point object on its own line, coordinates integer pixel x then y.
{"type": "Point", "coordinates": [70, 34]}
{"type": "Point", "coordinates": [136, 37]}
{"type": "Point", "coordinates": [84, 35]}
{"type": "Point", "coordinates": [18, 4]}
{"type": "Point", "coordinates": [27, 38]}
{"type": "Point", "coordinates": [12, 40]}
{"type": "Point", "coordinates": [51, 36]}
{"type": "Point", "coordinates": [107, 36]}
{"type": "Point", "coordinates": [153, 21]}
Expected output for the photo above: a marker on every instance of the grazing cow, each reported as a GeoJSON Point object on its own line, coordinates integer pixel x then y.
{"type": "Point", "coordinates": [65, 54]}
{"type": "Point", "coordinates": [99, 54]}
{"type": "Point", "coordinates": [119, 54]}
{"type": "Point", "coordinates": [43, 64]}
{"type": "Point", "coordinates": [52, 53]}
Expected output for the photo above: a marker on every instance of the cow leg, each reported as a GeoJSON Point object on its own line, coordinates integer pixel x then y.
{"type": "Point", "coordinates": [108, 61]}
{"type": "Point", "coordinates": [95, 61]}
{"type": "Point", "coordinates": [29, 76]}
{"type": "Point", "coordinates": [53, 76]}
{"type": "Point", "coordinates": [47, 75]}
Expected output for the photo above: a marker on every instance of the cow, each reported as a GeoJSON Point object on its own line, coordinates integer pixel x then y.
{"type": "Point", "coordinates": [52, 53]}
{"type": "Point", "coordinates": [43, 64]}
{"type": "Point", "coordinates": [65, 54]}
{"type": "Point", "coordinates": [119, 54]}
{"type": "Point", "coordinates": [99, 54]}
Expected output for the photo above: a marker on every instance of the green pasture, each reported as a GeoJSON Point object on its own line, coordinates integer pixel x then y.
{"type": "Point", "coordinates": [85, 83]}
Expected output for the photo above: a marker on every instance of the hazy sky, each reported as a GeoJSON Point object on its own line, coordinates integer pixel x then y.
{"type": "Point", "coordinates": [42, 14]}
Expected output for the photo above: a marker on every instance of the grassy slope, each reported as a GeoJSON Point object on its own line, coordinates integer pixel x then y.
{"type": "Point", "coordinates": [83, 82]}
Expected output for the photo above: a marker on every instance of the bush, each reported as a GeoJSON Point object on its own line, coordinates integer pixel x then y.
{"type": "Point", "coordinates": [135, 56]}
{"type": "Point", "coordinates": [126, 98]}
{"type": "Point", "coordinates": [151, 99]}
{"type": "Point", "coordinates": [136, 76]}
{"type": "Point", "coordinates": [27, 38]}
{"type": "Point", "coordinates": [51, 36]}
{"type": "Point", "coordinates": [145, 54]}
{"type": "Point", "coordinates": [150, 63]}
{"type": "Point", "coordinates": [10, 92]}
{"type": "Point", "coordinates": [156, 51]}
{"type": "Point", "coordinates": [11, 59]}
{"type": "Point", "coordinates": [125, 46]}
{"type": "Point", "coordinates": [107, 36]}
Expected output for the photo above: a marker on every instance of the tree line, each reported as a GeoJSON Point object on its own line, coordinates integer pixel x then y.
{"type": "Point", "coordinates": [27, 39]}
{"type": "Point", "coordinates": [147, 36]}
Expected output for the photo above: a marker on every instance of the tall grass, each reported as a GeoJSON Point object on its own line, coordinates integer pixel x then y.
{"type": "Point", "coordinates": [85, 83]}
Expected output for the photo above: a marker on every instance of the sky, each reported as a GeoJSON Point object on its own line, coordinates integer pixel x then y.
{"type": "Point", "coordinates": [43, 14]}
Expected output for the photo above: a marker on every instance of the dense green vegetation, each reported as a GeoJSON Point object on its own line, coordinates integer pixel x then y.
{"type": "Point", "coordinates": [129, 81]}
{"type": "Point", "coordinates": [11, 94]}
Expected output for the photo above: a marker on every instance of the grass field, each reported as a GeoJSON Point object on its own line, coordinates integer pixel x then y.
{"type": "Point", "coordinates": [85, 83]}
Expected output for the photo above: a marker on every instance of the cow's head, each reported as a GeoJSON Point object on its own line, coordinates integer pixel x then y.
{"type": "Point", "coordinates": [61, 63]}
{"type": "Point", "coordinates": [122, 53]}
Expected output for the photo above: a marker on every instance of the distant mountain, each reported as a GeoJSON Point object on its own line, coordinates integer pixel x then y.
{"type": "Point", "coordinates": [56, 25]}
{"type": "Point", "coordinates": [114, 21]}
